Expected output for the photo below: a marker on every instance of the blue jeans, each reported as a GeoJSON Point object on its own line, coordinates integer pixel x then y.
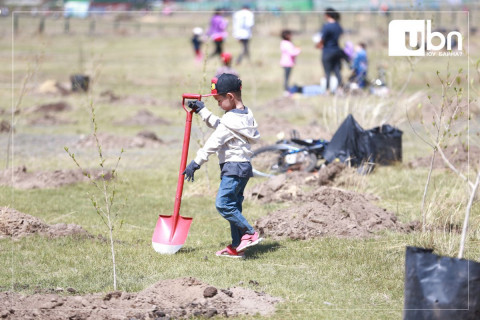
{"type": "Point", "coordinates": [229, 205]}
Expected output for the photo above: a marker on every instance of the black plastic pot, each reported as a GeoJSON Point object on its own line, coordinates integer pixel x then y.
{"type": "Point", "coordinates": [79, 82]}
{"type": "Point", "coordinates": [440, 288]}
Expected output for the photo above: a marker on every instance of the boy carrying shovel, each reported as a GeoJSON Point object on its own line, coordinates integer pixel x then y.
{"type": "Point", "coordinates": [234, 132]}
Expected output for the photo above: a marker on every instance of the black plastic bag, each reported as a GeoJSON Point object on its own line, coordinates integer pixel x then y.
{"type": "Point", "coordinates": [79, 82]}
{"type": "Point", "coordinates": [350, 144]}
{"type": "Point", "coordinates": [440, 288]}
{"type": "Point", "coordinates": [386, 143]}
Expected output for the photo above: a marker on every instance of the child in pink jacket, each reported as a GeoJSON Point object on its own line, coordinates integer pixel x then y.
{"type": "Point", "coordinates": [289, 52]}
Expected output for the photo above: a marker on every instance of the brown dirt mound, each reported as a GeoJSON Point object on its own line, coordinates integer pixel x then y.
{"type": "Point", "coordinates": [16, 224]}
{"type": "Point", "coordinates": [22, 179]}
{"type": "Point", "coordinates": [293, 186]}
{"type": "Point", "coordinates": [458, 155]}
{"type": "Point", "coordinates": [52, 107]}
{"type": "Point", "coordinates": [143, 117]}
{"type": "Point", "coordinates": [50, 120]}
{"type": "Point", "coordinates": [5, 126]}
{"type": "Point", "coordinates": [109, 141]}
{"type": "Point", "coordinates": [167, 299]}
{"type": "Point", "coordinates": [52, 87]}
{"type": "Point", "coordinates": [329, 212]}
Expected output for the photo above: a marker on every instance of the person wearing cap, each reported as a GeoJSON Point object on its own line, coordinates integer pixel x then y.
{"type": "Point", "coordinates": [227, 65]}
{"type": "Point", "coordinates": [234, 133]}
{"type": "Point", "coordinates": [243, 21]}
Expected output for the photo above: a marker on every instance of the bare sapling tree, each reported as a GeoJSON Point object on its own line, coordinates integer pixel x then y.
{"type": "Point", "coordinates": [442, 127]}
{"type": "Point", "coordinates": [105, 203]}
{"type": "Point", "coordinates": [202, 136]}
{"type": "Point", "coordinates": [16, 106]}
{"type": "Point", "coordinates": [473, 187]}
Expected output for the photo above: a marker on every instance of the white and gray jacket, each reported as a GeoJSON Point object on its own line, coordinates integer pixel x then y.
{"type": "Point", "coordinates": [233, 135]}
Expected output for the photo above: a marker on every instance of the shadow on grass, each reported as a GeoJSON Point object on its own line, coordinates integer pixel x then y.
{"type": "Point", "coordinates": [187, 250]}
{"type": "Point", "coordinates": [262, 248]}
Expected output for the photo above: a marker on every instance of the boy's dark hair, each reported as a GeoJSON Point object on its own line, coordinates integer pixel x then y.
{"type": "Point", "coordinates": [285, 34]}
{"type": "Point", "coordinates": [363, 45]}
{"type": "Point", "coordinates": [237, 94]}
{"type": "Point", "coordinates": [332, 13]}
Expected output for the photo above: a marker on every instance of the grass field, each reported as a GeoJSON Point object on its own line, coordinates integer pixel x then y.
{"type": "Point", "coordinates": [326, 278]}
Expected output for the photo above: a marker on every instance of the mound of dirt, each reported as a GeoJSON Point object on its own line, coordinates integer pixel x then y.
{"type": "Point", "coordinates": [20, 178]}
{"type": "Point", "coordinates": [143, 117]}
{"type": "Point", "coordinates": [109, 141]}
{"type": "Point", "coordinates": [16, 224]}
{"type": "Point", "coordinates": [52, 107]}
{"type": "Point", "coordinates": [167, 299]}
{"type": "Point", "coordinates": [48, 119]}
{"type": "Point", "coordinates": [458, 155]}
{"type": "Point", "coordinates": [52, 87]}
{"type": "Point", "coordinates": [293, 186]}
{"type": "Point", "coordinates": [5, 126]}
{"type": "Point", "coordinates": [329, 212]}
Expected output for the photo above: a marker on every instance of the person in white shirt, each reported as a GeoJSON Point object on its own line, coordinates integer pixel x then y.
{"type": "Point", "coordinates": [243, 21]}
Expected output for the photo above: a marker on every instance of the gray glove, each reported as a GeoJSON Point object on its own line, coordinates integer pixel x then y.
{"type": "Point", "coordinates": [196, 105]}
{"type": "Point", "coordinates": [190, 170]}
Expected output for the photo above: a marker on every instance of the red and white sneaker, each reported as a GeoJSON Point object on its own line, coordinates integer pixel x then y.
{"type": "Point", "coordinates": [248, 240]}
{"type": "Point", "coordinates": [230, 252]}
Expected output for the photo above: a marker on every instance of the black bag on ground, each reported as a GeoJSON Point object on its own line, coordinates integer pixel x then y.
{"type": "Point", "coordinates": [440, 288]}
{"type": "Point", "coordinates": [387, 144]}
{"type": "Point", "coordinates": [350, 144]}
{"type": "Point", "coordinates": [364, 148]}
{"type": "Point", "coordinates": [79, 82]}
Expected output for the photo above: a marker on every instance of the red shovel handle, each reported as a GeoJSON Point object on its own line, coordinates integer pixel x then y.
{"type": "Point", "coordinates": [186, 143]}
{"type": "Point", "coordinates": [191, 96]}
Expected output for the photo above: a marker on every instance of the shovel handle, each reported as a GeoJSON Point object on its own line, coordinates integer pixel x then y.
{"type": "Point", "coordinates": [191, 96]}
{"type": "Point", "coordinates": [183, 162]}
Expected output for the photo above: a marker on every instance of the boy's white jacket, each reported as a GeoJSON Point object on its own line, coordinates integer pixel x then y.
{"type": "Point", "coordinates": [231, 140]}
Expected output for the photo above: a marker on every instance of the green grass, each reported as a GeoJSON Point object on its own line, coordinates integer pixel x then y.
{"type": "Point", "coordinates": [324, 278]}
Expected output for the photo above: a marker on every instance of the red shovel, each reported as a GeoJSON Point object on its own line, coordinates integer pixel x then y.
{"type": "Point", "coordinates": [172, 231]}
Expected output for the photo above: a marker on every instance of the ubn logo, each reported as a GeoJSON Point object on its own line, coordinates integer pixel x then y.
{"type": "Point", "coordinates": [399, 31]}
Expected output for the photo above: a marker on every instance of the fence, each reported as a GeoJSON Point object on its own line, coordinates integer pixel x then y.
{"type": "Point", "coordinates": [181, 23]}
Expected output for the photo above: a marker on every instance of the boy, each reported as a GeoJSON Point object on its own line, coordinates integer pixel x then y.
{"type": "Point", "coordinates": [231, 140]}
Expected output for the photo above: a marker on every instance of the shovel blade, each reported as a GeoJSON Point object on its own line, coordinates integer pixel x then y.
{"type": "Point", "coordinates": [167, 237]}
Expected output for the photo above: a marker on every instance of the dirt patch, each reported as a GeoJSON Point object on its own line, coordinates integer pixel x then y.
{"type": "Point", "coordinates": [16, 224]}
{"type": "Point", "coordinates": [52, 87]}
{"type": "Point", "coordinates": [50, 120]}
{"type": "Point", "coordinates": [296, 185]}
{"type": "Point", "coordinates": [20, 178]}
{"type": "Point", "coordinates": [143, 117]}
{"type": "Point", "coordinates": [136, 100]}
{"type": "Point", "coordinates": [109, 141]}
{"type": "Point", "coordinates": [167, 299]}
{"type": "Point", "coordinates": [5, 126]}
{"type": "Point", "coordinates": [52, 107]}
{"type": "Point", "coordinates": [329, 212]}
{"type": "Point", "coordinates": [458, 155]}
